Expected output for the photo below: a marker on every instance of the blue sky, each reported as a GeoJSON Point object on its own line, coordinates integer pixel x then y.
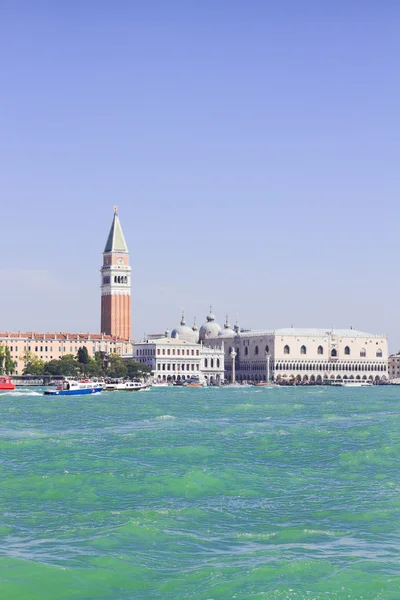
{"type": "Point", "coordinates": [252, 149]}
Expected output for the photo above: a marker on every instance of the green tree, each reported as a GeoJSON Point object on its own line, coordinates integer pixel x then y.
{"type": "Point", "coordinates": [137, 369]}
{"type": "Point", "coordinates": [52, 367]}
{"type": "Point", "coordinates": [32, 364]}
{"type": "Point", "coordinates": [94, 368]}
{"type": "Point", "coordinates": [7, 365]}
{"type": "Point", "coordinates": [116, 366]}
{"type": "Point", "coordinates": [83, 355]}
{"type": "Point", "coordinates": [67, 366]}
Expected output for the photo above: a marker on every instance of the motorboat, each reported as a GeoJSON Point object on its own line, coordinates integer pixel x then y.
{"type": "Point", "coordinates": [72, 387]}
{"type": "Point", "coordinates": [125, 386]}
{"type": "Point", "coordinates": [6, 384]}
{"type": "Point", "coordinates": [350, 383]}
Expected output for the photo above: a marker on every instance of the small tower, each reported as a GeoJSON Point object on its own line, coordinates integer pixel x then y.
{"type": "Point", "coordinates": [116, 284]}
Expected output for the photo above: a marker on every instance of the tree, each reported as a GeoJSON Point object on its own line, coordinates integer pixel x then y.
{"type": "Point", "coordinates": [52, 367]}
{"type": "Point", "coordinates": [83, 355]}
{"type": "Point", "coordinates": [116, 366]}
{"type": "Point", "coordinates": [7, 365]}
{"type": "Point", "coordinates": [94, 368]}
{"type": "Point", "coordinates": [67, 366]}
{"type": "Point", "coordinates": [32, 364]}
{"type": "Point", "coordinates": [137, 369]}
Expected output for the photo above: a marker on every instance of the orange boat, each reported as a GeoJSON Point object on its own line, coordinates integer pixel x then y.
{"type": "Point", "coordinates": [6, 383]}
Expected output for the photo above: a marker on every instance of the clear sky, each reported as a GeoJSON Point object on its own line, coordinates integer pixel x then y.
{"type": "Point", "coordinates": [252, 149]}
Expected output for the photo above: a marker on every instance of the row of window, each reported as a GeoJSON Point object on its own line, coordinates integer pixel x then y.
{"type": "Point", "coordinates": [303, 350]}
{"type": "Point", "coordinates": [329, 367]}
{"type": "Point", "coordinates": [176, 367]}
{"type": "Point", "coordinates": [178, 352]}
{"type": "Point", "coordinates": [320, 350]}
{"type": "Point", "coordinates": [61, 348]}
{"type": "Point", "coordinates": [211, 363]}
{"type": "Point", "coordinates": [246, 350]}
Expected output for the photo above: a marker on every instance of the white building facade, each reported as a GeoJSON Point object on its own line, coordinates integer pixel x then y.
{"type": "Point", "coordinates": [175, 359]}
{"type": "Point", "coordinates": [305, 355]}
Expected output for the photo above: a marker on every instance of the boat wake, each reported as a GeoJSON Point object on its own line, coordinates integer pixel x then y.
{"type": "Point", "coordinates": [18, 393]}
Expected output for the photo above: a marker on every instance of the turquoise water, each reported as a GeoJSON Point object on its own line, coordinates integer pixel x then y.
{"type": "Point", "coordinates": [289, 493]}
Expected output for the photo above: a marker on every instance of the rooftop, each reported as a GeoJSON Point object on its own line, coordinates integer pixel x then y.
{"type": "Point", "coordinates": [62, 335]}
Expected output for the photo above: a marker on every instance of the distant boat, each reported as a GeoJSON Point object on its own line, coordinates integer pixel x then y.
{"type": "Point", "coordinates": [71, 387]}
{"type": "Point", "coordinates": [6, 384]}
{"type": "Point", "coordinates": [125, 386]}
{"type": "Point", "coordinates": [347, 383]}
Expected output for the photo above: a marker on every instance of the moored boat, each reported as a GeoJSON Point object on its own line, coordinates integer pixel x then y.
{"type": "Point", "coordinates": [71, 387]}
{"type": "Point", "coordinates": [6, 384]}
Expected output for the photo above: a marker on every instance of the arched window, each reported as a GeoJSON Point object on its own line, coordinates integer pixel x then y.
{"type": "Point", "coordinates": [212, 363]}
{"type": "Point", "coordinates": [334, 352]}
{"type": "Point", "coordinates": [256, 350]}
{"type": "Point", "coordinates": [218, 363]}
{"type": "Point", "coordinates": [303, 350]}
{"type": "Point", "coordinates": [363, 353]}
{"type": "Point", "coordinates": [320, 350]}
{"type": "Point", "coordinates": [347, 351]}
{"type": "Point", "coordinates": [115, 279]}
{"type": "Point", "coordinates": [379, 353]}
{"type": "Point", "coordinates": [205, 363]}
{"type": "Point", "coordinates": [230, 349]}
{"type": "Point", "coordinates": [286, 350]}
{"type": "Point", "coordinates": [246, 351]}
{"type": "Point", "coordinates": [267, 348]}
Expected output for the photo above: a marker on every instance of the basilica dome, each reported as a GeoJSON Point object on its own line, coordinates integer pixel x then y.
{"type": "Point", "coordinates": [210, 329]}
{"type": "Point", "coordinates": [182, 329]}
{"type": "Point", "coordinates": [184, 332]}
{"type": "Point", "coordinates": [227, 331]}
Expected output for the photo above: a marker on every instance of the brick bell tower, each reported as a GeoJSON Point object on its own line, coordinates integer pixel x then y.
{"type": "Point", "coordinates": [116, 284]}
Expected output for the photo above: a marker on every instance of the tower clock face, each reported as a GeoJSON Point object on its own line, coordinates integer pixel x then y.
{"type": "Point", "coordinates": [120, 261]}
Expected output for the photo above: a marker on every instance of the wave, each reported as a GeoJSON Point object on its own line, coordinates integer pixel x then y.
{"type": "Point", "coordinates": [20, 393]}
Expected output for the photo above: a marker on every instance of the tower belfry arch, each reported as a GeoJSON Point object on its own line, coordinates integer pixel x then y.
{"type": "Point", "coordinates": [116, 284]}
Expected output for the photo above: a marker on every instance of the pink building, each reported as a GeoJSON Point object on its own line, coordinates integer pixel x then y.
{"type": "Point", "coordinates": [49, 346]}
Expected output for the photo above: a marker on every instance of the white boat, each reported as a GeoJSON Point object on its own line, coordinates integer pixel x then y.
{"type": "Point", "coordinates": [158, 384]}
{"type": "Point", "coordinates": [347, 383]}
{"type": "Point", "coordinates": [125, 386]}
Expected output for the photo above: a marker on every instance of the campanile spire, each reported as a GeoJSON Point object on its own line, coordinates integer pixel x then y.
{"type": "Point", "coordinates": [116, 284]}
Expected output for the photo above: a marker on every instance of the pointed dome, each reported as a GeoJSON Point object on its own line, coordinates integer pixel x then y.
{"type": "Point", "coordinates": [227, 331]}
{"type": "Point", "coordinates": [236, 327]}
{"type": "Point", "coordinates": [116, 241]}
{"type": "Point", "coordinates": [184, 332]}
{"type": "Point", "coordinates": [210, 329]}
{"type": "Point", "coordinates": [195, 331]}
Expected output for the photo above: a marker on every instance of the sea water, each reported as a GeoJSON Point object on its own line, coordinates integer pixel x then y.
{"type": "Point", "coordinates": [200, 494]}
